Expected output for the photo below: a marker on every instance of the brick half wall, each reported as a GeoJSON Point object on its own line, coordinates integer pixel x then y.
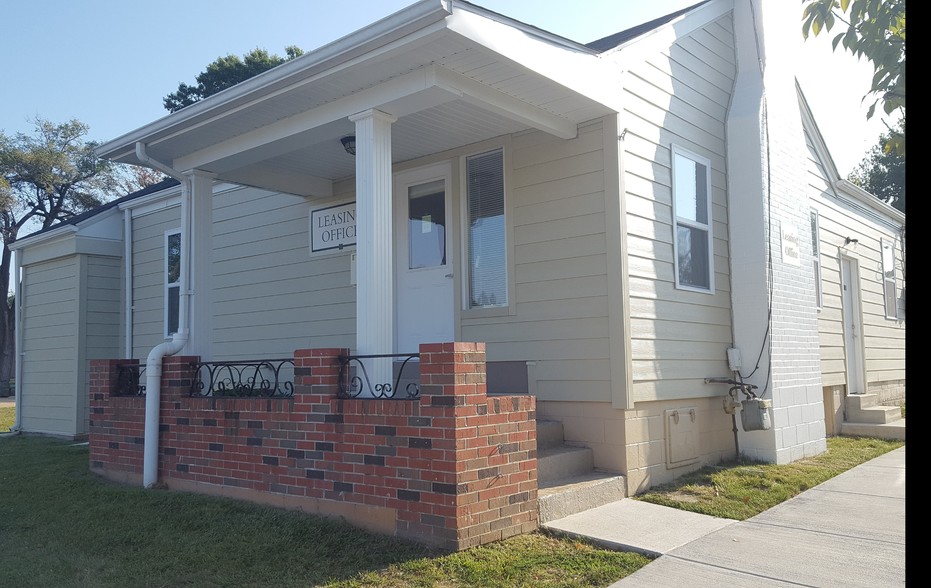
{"type": "Point", "coordinates": [452, 469]}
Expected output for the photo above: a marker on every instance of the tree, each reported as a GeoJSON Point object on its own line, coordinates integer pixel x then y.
{"type": "Point", "coordinates": [882, 172]}
{"type": "Point", "coordinates": [225, 72]}
{"type": "Point", "coordinates": [132, 178]}
{"type": "Point", "coordinates": [875, 30]}
{"type": "Point", "coordinates": [45, 178]}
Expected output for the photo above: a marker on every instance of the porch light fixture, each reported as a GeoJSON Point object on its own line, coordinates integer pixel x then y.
{"type": "Point", "coordinates": [349, 144]}
{"type": "Point", "coordinates": [850, 240]}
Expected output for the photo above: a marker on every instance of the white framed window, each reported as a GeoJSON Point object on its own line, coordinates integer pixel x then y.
{"type": "Point", "coordinates": [172, 281]}
{"type": "Point", "coordinates": [816, 258]}
{"type": "Point", "coordinates": [889, 297]}
{"type": "Point", "coordinates": [691, 206]}
{"type": "Point", "coordinates": [486, 232]}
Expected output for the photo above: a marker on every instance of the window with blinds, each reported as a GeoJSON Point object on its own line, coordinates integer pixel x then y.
{"type": "Point", "coordinates": [488, 281]}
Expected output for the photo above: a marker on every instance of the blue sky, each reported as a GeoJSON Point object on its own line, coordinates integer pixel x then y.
{"type": "Point", "coordinates": [109, 63]}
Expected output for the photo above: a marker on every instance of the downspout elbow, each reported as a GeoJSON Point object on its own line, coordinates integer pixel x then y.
{"type": "Point", "coordinates": [153, 397]}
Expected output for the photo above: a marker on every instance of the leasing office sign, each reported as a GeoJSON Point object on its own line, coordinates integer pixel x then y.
{"type": "Point", "coordinates": [333, 227]}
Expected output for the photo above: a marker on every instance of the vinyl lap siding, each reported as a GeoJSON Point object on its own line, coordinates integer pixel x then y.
{"type": "Point", "coordinates": [101, 311]}
{"type": "Point", "coordinates": [50, 338]}
{"type": "Point", "coordinates": [883, 338]}
{"type": "Point", "coordinates": [560, 320]}
{"type": "Point", "coordinates": [680, 97]}
{"type": "Point", "coordinates": [270, 295]}
{"type": "Point", "coordinates": [149, 277]}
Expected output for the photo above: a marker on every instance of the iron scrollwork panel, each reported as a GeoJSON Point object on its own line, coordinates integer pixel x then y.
{"type": "Point", "coordinates": [255, 378]}
{"type": "Point", "coordinates": [129, 380]}
{"type": "Point", "coordinates": [355, 382]}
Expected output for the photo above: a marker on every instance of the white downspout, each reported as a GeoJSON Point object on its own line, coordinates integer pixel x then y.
{"type": "Point", "coordinates": [18, 322]}
{"type": "Point", "coordinates": [128, 283]}
{"type": "Point", "coordinates": [153, 365]}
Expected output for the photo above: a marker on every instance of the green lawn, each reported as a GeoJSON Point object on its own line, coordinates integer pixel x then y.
{"type": "Point", "coordinates": [62, 526]}
{"type": "Point", "coordinates": [7, 418]}
{"type": "Point", "coordinates": [742, 489]}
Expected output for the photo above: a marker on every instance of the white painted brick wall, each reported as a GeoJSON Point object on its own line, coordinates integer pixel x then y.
{"type": "Point", "coordinates": [794, 377]}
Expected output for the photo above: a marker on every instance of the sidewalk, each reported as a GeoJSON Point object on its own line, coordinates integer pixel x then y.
{"type": "Point", "coordinates": [848, 531]}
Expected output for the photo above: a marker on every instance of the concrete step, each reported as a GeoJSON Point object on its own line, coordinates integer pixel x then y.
{"type": "Point", "coordinates": [562, 462]}
{"type": "Point", "coordinates": [874, 414]}
{"type": "Point", "coordinates": [893, 430]}
{"type": "Point", "coordinates": [549, 434]}
{"type": "Point", "coordinates": [568, 496]}
{"type": "Point", "coordinates": [861, 401]}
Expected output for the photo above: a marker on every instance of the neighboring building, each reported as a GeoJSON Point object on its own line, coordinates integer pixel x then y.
{"type": "Point", "coordinates": [609, 218]}
{"type": "Point", "coordinates": [860, 292]}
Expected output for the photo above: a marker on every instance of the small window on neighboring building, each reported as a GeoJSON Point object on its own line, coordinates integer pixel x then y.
{"type": "Point", "coordinates": [487, 231]}
{"type": "Point", "coordinates": [816, 258]}
{"type": "Point", "coordinates": [172, 281]}
{"type": "Point", "coordinates": [889, 298]}
{"type": "Point", "coordinates": [691, 204]}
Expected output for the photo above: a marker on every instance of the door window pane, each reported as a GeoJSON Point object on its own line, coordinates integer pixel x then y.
{"type": "Point", "coordinates": [426, 225]}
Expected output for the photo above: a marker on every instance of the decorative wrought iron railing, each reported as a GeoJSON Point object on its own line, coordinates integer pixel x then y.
{"type": "Point", "coordinates": [248, 378]}
{"type": "Point", "coordinates": [129, 380]}
{"type": "Point", "coordinates": [354, 380]}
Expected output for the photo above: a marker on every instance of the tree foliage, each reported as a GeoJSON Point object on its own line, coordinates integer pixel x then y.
{"type": "Point", "coordinates": [48, 176]}
{"type": "Point", "coordinates": [225, 72]}
{"type": "Point", "coordinates": [875, 29]}
{"type": "Point", "coordinates": [882, 172]}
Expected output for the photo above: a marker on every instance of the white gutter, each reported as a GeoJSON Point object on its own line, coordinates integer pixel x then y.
{"type": "Point", "coordinates": [18, 321]}
{"type": "Point", "coordinates": [128, 283]}
{"type": "Point", "coordinates": [153, 364]}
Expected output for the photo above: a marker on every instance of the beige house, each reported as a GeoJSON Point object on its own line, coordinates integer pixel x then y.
{"type": "Point", "coordinates": [600, 215]}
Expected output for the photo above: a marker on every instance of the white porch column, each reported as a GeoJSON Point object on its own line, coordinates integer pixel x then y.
{"type": "Point", "coordinates": [374, 241]}
{"type": "Point", "coordinates": [201, 244]}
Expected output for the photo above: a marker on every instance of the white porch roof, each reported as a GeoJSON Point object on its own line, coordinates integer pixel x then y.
{"type": "Point", "coordinates": [451, 72]}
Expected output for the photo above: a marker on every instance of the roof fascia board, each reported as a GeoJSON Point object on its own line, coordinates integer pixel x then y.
{"type": "Point", "coordinates": [870, 200]}
{"type": "Point", "coordinates": [61, 233]}
{"type": "Point", "coordinates": [844, 189]}
{"type": "Point", "coordinates": [541, 34]}
{"type": "Point", "coordinates": [811, 125]}
{"type": "Point", "coordinates": [173, 193]}
{"type": "Point", "coordinates": [667, 34]}
{"type": "Point", "coordinates": [571, 65]}
{"type": "Point", "coordinates": [383, 33]}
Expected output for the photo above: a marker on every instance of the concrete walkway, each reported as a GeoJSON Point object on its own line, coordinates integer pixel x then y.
{"type": "Point", "coordinates": [848, 531]}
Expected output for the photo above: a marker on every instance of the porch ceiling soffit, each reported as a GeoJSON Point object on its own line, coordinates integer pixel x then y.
{"type": "Point", "coordinates": [437, 80]}
{"type": "Point", "coordinates": [413, 92]}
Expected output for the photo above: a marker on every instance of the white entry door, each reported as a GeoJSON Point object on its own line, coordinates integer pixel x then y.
{"type": "Point", "coordinates": [853, 325]}
{"type": "Point", "coordinates": [423, 262]}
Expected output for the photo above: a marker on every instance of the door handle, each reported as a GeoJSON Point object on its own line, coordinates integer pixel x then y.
{"type": "Point", "coordinates": [449, 275]}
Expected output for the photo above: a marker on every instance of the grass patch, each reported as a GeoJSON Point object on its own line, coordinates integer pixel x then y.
{"type": "Point", "coordinates": [60, 525]}
{"type": "Point", "coordinates": [7, 418]}
{"type": "Point", "coordinates": [742, 489]}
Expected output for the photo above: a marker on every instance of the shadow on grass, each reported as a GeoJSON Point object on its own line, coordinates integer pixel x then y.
{"type": "Point", "coordinates": [61, 525]}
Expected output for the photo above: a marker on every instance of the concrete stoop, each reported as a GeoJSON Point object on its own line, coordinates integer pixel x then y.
{"type": "Point", "coordinates": [866, 417]}
{"type": "Point", "coordinates": [895, 430]}
{"type": "Point", "coordinates": [568, 482]}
